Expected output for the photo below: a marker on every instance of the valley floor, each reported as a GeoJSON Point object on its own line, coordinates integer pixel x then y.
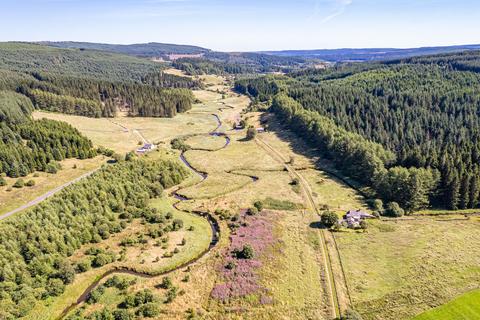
{"type": "Point", "coordinates": [394, 270]}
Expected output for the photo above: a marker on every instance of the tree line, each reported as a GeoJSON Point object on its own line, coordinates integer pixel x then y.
{"type": "Point", "coordinates": [35, 245]}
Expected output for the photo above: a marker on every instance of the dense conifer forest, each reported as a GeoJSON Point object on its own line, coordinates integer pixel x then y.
{"type": "Point", "coordinates": [408, 128]}
{"type": "Point", "coordinates": [239, 63]}
{"type": "Point", "coordinates": [92, 84]}
{"type": "Point", "coordinates": [27, 146]}
{"type": "Point", "coordinates": [35, 246]}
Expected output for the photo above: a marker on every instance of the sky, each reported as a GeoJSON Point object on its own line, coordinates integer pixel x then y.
{"type": "Point", "coordinates": [248, 25]}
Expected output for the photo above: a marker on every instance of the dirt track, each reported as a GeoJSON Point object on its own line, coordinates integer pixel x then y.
{"type": "Point", "coordinates": [50, 193]}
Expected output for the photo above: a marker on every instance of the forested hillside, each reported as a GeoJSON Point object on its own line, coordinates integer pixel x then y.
{"type": "Point", "coordinates": [90, 83]}
{"type": "Point", "coordinates": [239, 63]}
{"type": "Point", "coordinates": [35, 246]}
{"type": "Point", "coordinates": [141, 50]}
{"type": "Point", "coordinates": [409, 128]}
{"type": "Point", "coordinates": [27, 146]}
{"type": "Point", "coordinates": [370, 54]}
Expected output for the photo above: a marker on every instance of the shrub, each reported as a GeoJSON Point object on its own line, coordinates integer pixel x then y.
{"type": "Point", "coordinates": [166, 283]}
{"type": "Point", "coordinates": [251, 133]}
{"type": "Point", "coordinates": [393, 210]}
{"type": "Point", "coordinates": [120, 314]}
{"type": "Point", "coordinates": [95, 295]}
{"type": "Point", "coordinates": [177, 224]}
{"type": "Point", "coordinates": [130, 156]}
{"type": "Point", "coordinates": [253, 211]}
{"type": "Point", "coordinates": [171, 294]}
{"type": "Point", "coordinates": [376, 204]}
{"type": "Point", "coordinates": [364, 225]}
{"type": "Point", "coordinates": [128, 303]}
{"type": "Point", "coordinates": [3, 182]}
{"type": "Point", "coordinates": [118, 282]}
{"type": "Point", "coordinates": [247, 252]}
{"type": "Point", "coordinates": [83, 265]}
{"type": "Point", "coordinates": [55, 287]}
{"type": "Point", "coordinates": [179, 144]}
{"type": "Point", "coordinates": [101, 259]}
{"type": "Point", "coordinates": [148, 310]}
{"type": "Point", "coordinates": [30, 183]}
{"type": "Point", "coordinates": [19, 183]}
{"type": "Point", "coordinates": [52, 167]}
{"type": "Point", "coordinates": [258, 205]}
{"type": "Point", "coordinates": [295, 182]}
{"type": "Point", "coordinates": [144, 296]}
{"type": "Point", "coordinates": [329, 219]}
{"type": "Point", "coordinates": [65, 271]}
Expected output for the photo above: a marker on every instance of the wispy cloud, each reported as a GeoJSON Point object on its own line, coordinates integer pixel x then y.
{"type": "Point", "coordinates": [335, 7]}
{"type": "Point", "coordinates": [341, 6]}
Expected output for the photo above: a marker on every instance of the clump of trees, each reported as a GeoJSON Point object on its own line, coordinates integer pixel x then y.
{"type": "Point", "coordinates": [179, 144]}
{"type": "Point", "coordinates": [35, 246]}
{"type": "Point", "coordinates": [27, 146]}
{"type": "Point", "coordinates": [329, 219]}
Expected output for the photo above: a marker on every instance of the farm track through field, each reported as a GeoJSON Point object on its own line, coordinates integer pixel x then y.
{"type": "Point", "coordinates": [331, 286]}
{"type": "Point", "coordinates": [211, 220]}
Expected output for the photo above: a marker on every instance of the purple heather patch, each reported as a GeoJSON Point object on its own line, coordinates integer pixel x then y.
{"type": "Point", "coordinates": [239, 275]}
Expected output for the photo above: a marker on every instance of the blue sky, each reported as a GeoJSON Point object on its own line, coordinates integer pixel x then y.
{"type": "Point", "coordinates": [246, 25]}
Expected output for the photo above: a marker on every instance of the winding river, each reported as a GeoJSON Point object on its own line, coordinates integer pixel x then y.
{"type": "Point", "coordinates": [211, 220]}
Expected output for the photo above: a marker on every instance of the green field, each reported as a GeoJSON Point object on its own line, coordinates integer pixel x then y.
{"type": "Point", "coordinates": [398, 269]}
{"type": "Point", "coordinates": [465, 307]}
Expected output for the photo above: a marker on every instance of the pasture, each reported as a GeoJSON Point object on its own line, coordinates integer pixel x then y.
{"type": "Point", "coordinates": [398, 269]}
{"type": "Point", "coordinates": [465, 307]}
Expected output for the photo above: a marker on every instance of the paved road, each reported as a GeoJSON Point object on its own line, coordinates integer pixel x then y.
{"type": "Point", "coordinates": [50, 193]}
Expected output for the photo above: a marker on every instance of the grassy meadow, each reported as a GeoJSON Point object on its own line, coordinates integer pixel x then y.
{"type": "Point", "coordinates": [400, 268]}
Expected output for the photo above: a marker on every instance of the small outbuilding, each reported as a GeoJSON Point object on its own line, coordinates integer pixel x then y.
{"type": "Point", "coordinates": [146, 148]}
{"type": "Point", "coordinates": [353, 218]}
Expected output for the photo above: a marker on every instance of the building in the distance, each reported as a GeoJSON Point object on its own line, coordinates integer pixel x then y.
{"type": "Point", "coordinates": [146, 148]}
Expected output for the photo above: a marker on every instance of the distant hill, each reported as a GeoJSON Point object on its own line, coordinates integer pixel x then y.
{"type": "Point", "coordinates": [150, 50]}
{"type": "Point", "coordinates": [28, 57]}
{"type": "Point", "coordinates": [373, 54]}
